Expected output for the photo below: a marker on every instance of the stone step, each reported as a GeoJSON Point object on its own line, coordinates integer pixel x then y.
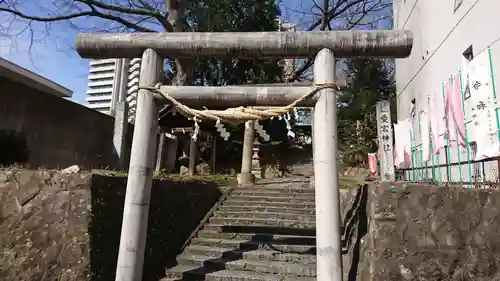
{"type": "Point", "coordinates": [255, 228]}
{"type": "Point", "coordinates": [274, 199]}
{"type": "Point", "coordinates": [304, 188]}
{"type": "Point", "coordinates": [267, 215]}
{"type": "Point", "coordinates": [272, 193]}
{"type": "Point", "coordinates": [214, 252]}
{"type": "Point", "coordinates": [233, 254]}
{"type": "Point", "coordinates": [212, 263]}
{"type": "Point", "coordinates": [285, 181]}
{"type": "Point", "coordinates": [232, 275]}
{"type": "Point", "coordinates": [292, 239]}
{"type": "Point", "coordinates": [299, 184]}
{"type": "Point", "coordinates": [215, 258]}
{"type": "Point", "coordinates": [271, 255]}
{"type": "Point", "coordinates": [259, 221]}
{"type": "Point", "coordinates": [274, 267]}
{"type": "Point", "coordinates": [190, 267]}
{"type": "Point", "coordinates": [297, 205]}
{"type": "Point", "coordinates": [186, 272]}
{"type": "Point", "coordinates": [253, 245]}
{"type": "Point", "coordinates": [271, 209]}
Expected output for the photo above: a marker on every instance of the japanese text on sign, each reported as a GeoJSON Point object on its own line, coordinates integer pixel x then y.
{"type": "Point", "coordinates": [385, 131]}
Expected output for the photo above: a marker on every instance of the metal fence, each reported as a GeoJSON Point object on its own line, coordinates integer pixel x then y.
{"type": "Point", "coordinates": [454, 164]}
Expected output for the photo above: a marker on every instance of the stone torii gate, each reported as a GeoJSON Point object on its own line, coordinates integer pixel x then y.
{"type": "Point", "coordinates": [154, 47]}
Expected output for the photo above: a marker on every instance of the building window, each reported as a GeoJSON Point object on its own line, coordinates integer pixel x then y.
{"type": "Point", "coordinates": [413, 110]}
{"type": "Point", "coordinates": [457, 5]}
{"type": "Point", "coordinates": [468, 53]}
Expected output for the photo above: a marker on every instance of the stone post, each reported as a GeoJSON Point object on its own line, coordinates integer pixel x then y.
{"type": "Point", "coordinates": [120, 112]}
{"type": "Point", "coordinates": [246, 177]}
{"type": "Point", "coordinates": [160, 151]}
{"type": "Point", "coordinates": [256, 169]}
{"type": "Point", "coordinates": [385, 141]}
{"type": "Point", "coordinates": [213, 153]}
{"type": "Point", "coordinates": [120, 134]}
{"type": "Point", "coordinates": [172, 142]}
{"type": "Point", "coordinates": [193, 155]}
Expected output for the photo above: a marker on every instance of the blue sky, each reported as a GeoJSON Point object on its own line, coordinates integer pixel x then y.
{"type": "Point", "coordinates": [53, 56]}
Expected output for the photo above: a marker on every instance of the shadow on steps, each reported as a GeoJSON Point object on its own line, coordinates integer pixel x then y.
{"type": "Point", "coordinates": [356, 228]}
{"type": "Point", "coordinates": [269, 230]}
{"type": "Point", "coordinates": [176, 209]}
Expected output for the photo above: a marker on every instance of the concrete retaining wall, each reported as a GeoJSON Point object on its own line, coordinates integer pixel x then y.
{"type": "Point", "coordinates": [59, 133]}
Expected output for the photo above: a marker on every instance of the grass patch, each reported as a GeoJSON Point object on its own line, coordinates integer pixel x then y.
{"type": "Point", "coordinates": [346, 183]}
{"type": "Point", "coordinates": [217, 179]}
{"type": "Point", "coordinates": [220, 180]}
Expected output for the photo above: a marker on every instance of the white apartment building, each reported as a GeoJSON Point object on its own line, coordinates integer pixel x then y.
{"type": "Point", "coordinates": [100, 85]}
{"type": "Point", "coordinates": [448, 35]}
{"type": "Point", "coordinates": [102, 92]}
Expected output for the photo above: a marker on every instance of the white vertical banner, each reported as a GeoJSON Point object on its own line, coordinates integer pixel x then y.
{"type": "Point", "coordinates": [385, 141]}
{"type": "Point", "coordinates": [477, 86]}
{"type": "Point", "coordinates": [480, 106]}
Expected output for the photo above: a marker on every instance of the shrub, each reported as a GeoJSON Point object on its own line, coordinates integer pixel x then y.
{"type": "Point", "coordinates": [13, 148]}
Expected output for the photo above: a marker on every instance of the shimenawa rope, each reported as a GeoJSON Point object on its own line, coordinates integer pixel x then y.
{"type": "Point", "coordinates": [239, 114]}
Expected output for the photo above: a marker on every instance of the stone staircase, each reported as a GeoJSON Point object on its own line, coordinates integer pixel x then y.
{"type": "Point", "coordinates": [265, 232]}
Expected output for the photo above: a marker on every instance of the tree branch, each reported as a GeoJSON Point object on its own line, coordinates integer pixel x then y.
{"type": "Point", "coordinates": [150, 13]}
{"type": "Point", "coordinates": [341, 7]}
{"type": "Point", "coordinates": [92, 13]}
{"type": "Point", "coordinates": [175, 18]}
{"type": "Point", "coordinates": [335, 12]}
{"type": "Point", "coordinates": [146, 5]}
{"type": "Point", "coordinates": [46, 19]}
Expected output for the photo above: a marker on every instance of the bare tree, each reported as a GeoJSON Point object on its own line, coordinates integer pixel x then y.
{"type": "Point", "coordinates": [168, 16]}
{"type": "Point", "coordinates": [92, 16]}
{"type": "Point", "coordinates": [335, 15]}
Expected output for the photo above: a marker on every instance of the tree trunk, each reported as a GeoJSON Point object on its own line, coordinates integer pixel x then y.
{"type": "Point", "coordinates": [176, 19]}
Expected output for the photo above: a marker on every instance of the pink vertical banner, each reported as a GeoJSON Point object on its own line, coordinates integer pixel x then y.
{"type": "Point", "coordinates": [372, 162]}
{"type": "Point", "coordinates": [454, 110]}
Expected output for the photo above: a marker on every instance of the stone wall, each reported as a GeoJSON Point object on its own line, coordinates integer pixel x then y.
{"type": "Point", "coordinates": [418, 232]}
{"type": "Point", "coordinates": [66, 227]}
{"type": "Point", "coordinates": [59, 133]}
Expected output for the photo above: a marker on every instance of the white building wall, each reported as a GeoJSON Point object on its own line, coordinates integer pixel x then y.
{"type": "Point", "coordinates": [440, 37]}
{"type": "Point", "coordinates": [441, 34]}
